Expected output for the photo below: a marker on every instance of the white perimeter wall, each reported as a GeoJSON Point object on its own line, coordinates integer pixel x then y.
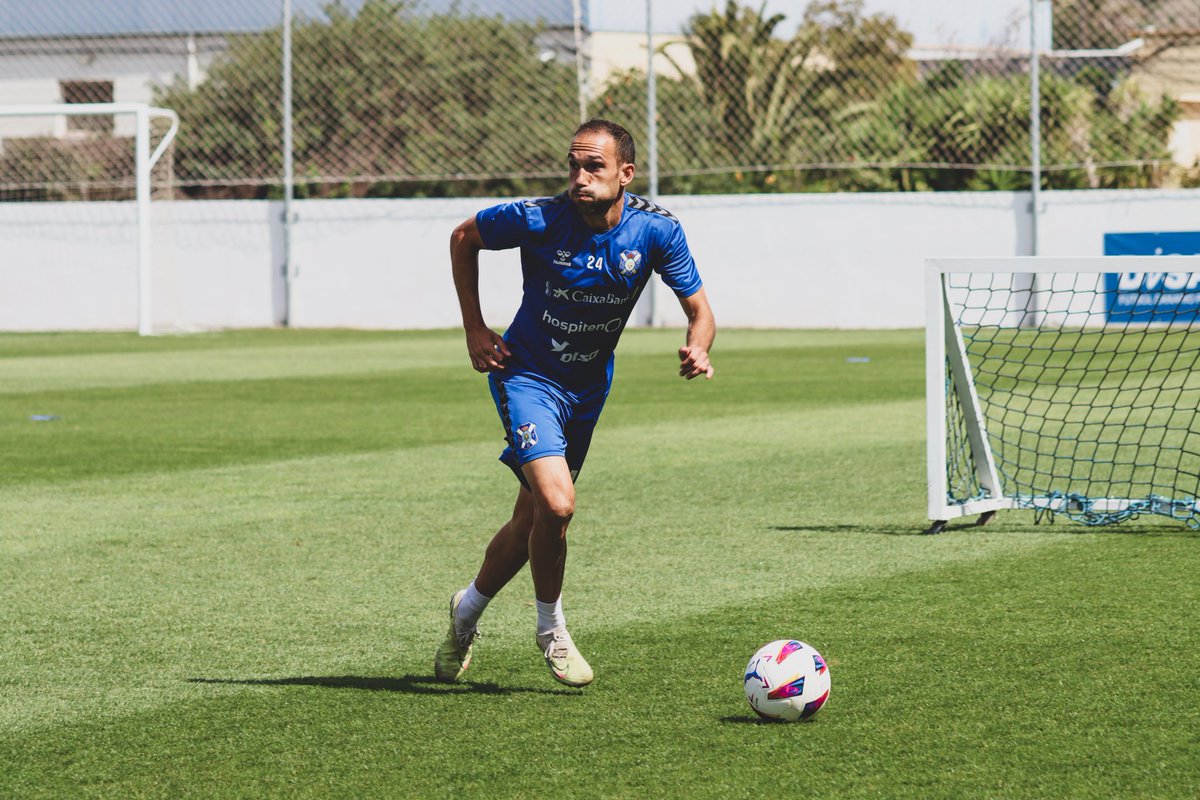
{"type": "Point", "coordinates": [840, 260]}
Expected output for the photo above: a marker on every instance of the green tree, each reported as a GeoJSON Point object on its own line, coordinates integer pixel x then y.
{"type": "Point", "coordinates": [979, 129]}
{"type": "Point", "coordinates": [771, 101]}
{"type": "Point", "coordinates": [387, 102]}
{"type": "Point", "coordinates": [841, 91]}
{"type": "Point", "coordinates": [45, 168]}
{"type": "Point", "coordinates": [744, 75]}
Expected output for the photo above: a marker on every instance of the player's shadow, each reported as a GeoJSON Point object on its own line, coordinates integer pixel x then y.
{"type": "Point", "coordinates": [405, 684]}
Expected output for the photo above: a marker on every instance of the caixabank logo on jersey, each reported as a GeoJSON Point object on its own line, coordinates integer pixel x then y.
{"type": "Point", "coordinates": [1160, 297]}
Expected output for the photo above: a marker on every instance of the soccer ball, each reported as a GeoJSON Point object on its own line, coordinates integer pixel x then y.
{"type": "Point", "coordinates": [787, 680]}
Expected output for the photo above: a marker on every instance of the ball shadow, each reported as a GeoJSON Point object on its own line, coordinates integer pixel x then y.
{"type": "Point", "coordinates": [747, 719]}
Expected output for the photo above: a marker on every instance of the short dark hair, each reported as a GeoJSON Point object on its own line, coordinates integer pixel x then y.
{"type": "Point", "coordinates": [621, 137]}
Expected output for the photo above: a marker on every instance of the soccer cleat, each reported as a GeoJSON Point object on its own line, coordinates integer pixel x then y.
{"type": "Point", "coordinates": [566, 664]}
{"type": "Point", "coordinates": [454, 653]}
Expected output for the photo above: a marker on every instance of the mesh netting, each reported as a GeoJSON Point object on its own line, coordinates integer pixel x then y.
{"type": "Point", "coordinates": [1089, 392]}
{"type": "Point", "coordinates": [415, 98]}
{"type": "Point", "coordinates": [962, 479]}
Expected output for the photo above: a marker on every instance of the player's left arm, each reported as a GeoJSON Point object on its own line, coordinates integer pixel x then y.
{"type": "Point", "coordinates": [701, 331]}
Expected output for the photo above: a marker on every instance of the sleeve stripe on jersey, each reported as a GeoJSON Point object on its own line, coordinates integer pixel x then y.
{"type": "Point", "coordinates": [642, 204]}
{"type": "Point", "coordinates": [547, 201]}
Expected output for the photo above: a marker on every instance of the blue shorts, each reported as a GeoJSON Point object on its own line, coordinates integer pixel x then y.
{"type": "Point", "coordinates": [543, 419]}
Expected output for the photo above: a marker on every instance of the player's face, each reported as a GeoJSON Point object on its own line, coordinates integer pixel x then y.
{"type": "Point", "coordinates": [597, 176]}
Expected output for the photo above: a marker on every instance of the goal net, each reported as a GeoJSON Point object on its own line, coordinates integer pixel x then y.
{"type": "Point", "coordinates": [1066, 386]}
{"type": "Point", "coordinates": [76, 214]}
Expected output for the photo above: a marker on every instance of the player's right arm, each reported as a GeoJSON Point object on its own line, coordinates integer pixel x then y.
{"type": "Point", "coordinates": [485, 347]}
{"type": "Point", "coordinates": [701, 331]}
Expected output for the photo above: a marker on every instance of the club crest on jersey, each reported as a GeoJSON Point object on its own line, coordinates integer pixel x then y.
{"type": "Point", "coordinates": [629, 261]}
{"type": "Point", "coordinates": [526, 435]}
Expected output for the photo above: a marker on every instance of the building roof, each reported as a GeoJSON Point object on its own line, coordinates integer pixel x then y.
{"type": "Point", "coordinates": [964, 24]}
{"type": "Point", "coordinates": [24, 19]}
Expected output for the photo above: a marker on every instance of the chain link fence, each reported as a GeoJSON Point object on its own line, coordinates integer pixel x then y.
{"type": "Point", "coordinates": [399, 98]}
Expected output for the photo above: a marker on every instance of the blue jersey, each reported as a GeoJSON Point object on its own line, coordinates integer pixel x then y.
{"type": "Point", "coordinates": [580, 286]}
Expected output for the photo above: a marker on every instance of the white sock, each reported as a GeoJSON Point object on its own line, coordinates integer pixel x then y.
{"type": "Point", "coordinates": [550, 616]}
{"type": "Point", "coordinates": [471, 606]}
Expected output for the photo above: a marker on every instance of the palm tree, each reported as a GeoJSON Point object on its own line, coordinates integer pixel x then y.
{"type": "Point", "coordinates": [784, 101]}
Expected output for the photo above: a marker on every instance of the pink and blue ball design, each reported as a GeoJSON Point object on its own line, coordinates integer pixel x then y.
{"type": "Point", "coordinates": [794, 688]}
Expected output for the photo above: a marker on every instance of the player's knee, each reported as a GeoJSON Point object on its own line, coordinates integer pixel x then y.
{"type": "Point", "coordinates": [557, 506]}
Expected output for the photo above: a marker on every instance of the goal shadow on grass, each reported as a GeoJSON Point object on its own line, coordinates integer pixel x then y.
{"type": "Point", "coordinates": [1152, 528]}
{"type": "Point", "coordinates": [870, 529]}
{"type": "Point", "coordinates": [405, 684]}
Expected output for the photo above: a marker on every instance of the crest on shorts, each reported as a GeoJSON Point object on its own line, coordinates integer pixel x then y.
{"type": "Point", "coordinates": [629, 261]}
{"type": "Point", "coordinates": [526, 435]}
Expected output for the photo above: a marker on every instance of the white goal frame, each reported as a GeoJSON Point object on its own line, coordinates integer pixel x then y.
{"type": "Point", "coordinates": [944, 346]}
{"type": "Point", "coordinates": [144, 161]}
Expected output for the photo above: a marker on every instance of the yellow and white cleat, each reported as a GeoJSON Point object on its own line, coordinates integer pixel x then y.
{"type": "Point", "coordinates": [454, 653]}
{"type": "Point", "coordinates": [563, 658]}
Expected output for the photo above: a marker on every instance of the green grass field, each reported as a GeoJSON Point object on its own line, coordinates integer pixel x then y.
{"type": "Point", "coordinates": [225, 568]}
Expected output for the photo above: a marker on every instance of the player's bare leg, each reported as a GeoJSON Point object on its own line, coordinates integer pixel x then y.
{"type": "Point", "coordinates": [553, 494]}
{"type": "Point", "coordinates": [508, 551]}
{"type": "Point", "coordinates": [504, 558]}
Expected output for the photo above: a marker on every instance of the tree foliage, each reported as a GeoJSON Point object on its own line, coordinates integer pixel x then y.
{"type": "Point", "coordinates": [985, 121]}
{"type": "Point", "coordinates": [444, 104]}
{"type": "Point", "coordinates": [381, 92]}
{"type": "Point", "coordinates": [776, 101]}
{"type": "Point", "coordinates": [46, 168]}
{"type": "Point", "coordinates": [797, 114]}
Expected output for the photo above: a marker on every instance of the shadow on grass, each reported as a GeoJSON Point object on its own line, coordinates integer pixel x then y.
{"type": "Point", "coordinates": [1151, 528]}
{"type": "Point", "coordinates": [746, 719]}
{"type": "Point", "coordinates": [846, 529]}
{"type": "Point", "coordinates": [405, 684]}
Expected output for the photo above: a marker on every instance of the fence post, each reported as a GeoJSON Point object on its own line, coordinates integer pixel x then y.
{"type": "Point", "coordinates": [289, 173]}
{"type": "Point", "coordinates": [652, 140]}
{"type": "Point", "coordinates": [1035, 127]}
{"type": "Point", "coordinates": [582, 84]}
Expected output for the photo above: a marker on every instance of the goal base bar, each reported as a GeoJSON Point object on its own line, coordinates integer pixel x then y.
{"type": "Point", "coordinates": [1065, 504]}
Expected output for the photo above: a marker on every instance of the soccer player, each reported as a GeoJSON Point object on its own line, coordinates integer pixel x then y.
{"type": "Point", "coordinates": [586, 255]}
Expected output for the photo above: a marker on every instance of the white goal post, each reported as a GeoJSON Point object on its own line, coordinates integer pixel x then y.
{"type": "Point", "coordinates": [145, 158]}
{"type": "Point", "coordinates": [1063, 385]}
